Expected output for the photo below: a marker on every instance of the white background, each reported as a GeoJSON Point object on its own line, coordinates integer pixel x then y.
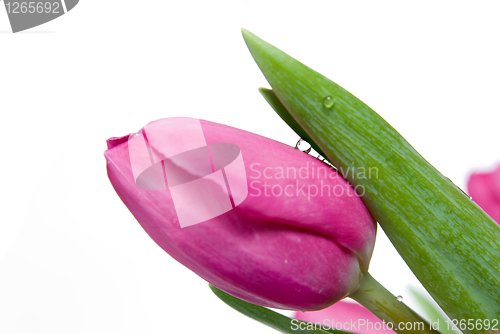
{"type": "Point", "coordinates": [74, 260]}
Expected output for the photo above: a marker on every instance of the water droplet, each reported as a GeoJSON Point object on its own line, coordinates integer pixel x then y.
{"type": "Point", "coordinates": [328, 102]}
{"type": "Point", "coordinates": [399, 298]}
{"type": "Point", "coordinates": [298, 143]}
{"type": "Point", "coordinates": [297, 146]}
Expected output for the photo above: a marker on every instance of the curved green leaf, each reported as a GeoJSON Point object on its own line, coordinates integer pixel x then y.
{"type": "Point", "coordinates": [448, 241]}
{"type": "Point", "coordinates": [432, 312]}
{"type": "Point", "coordinates": [280, 109]}
{"type": "Point", "coordinates": [268, 317]}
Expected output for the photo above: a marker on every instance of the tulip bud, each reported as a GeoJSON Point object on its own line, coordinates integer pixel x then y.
{"type": "Point", "coordinates": [261, 220]}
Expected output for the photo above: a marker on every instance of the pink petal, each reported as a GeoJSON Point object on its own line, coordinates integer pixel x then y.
{"type": "Point", "coordinates": [349, 316]}
{"type": "Point", "coordinates": [484, 188]}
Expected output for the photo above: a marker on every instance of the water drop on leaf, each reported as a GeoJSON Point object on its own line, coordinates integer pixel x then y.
{"type": "Point", "coordinates": [328, 102]}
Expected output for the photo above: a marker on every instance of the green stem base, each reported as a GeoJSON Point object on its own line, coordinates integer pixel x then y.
{"type": "Point", "coordinates": [372, 295]}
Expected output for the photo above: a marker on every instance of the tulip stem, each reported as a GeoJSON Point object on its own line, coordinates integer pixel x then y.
{"type": "Point", "coordinates": [372, 295]}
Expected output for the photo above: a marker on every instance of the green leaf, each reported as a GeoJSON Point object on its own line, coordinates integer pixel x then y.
{"type": "Point", "coordinates": [280, 109]}
{"type": "Point", "coordinates": [450, 244]}
{"type": "Point", "coordinates": [268, 317]}
{"type": "Point", "coordinates": [432, 312]}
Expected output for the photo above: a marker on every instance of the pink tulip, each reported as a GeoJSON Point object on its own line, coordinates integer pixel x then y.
{"type": "Point", "coordinates": [347, 316]}
{"type": "Point", "coordinates": [484, 188]}
{"type": "Point", "coordinates": [258, 219]}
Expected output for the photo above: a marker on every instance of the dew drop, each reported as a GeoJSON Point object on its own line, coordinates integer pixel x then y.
{"type": "Point", "coordinates": [399, 298]}
{"type": "Point", "coordinates": [298, 143]}
{"type": "Point", "coordinates": [328, 102]}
